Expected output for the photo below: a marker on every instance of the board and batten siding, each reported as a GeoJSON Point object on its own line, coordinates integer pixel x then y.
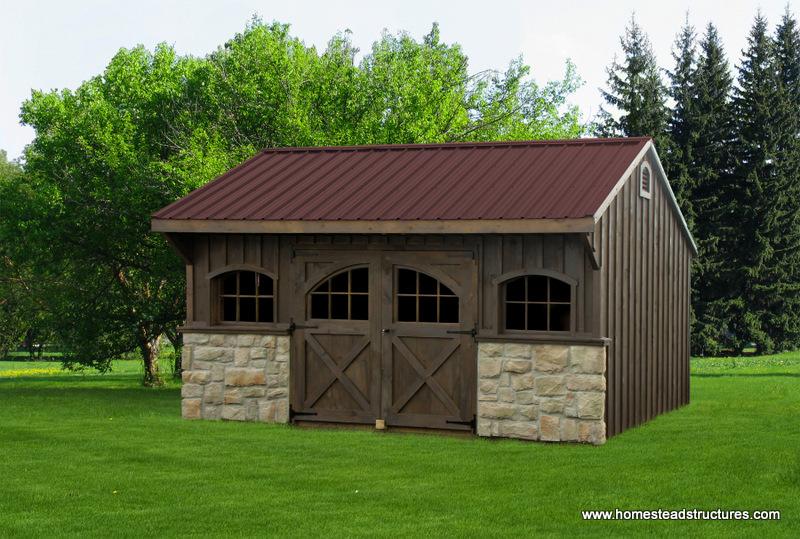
{"type": "Point", "coordinates": [562, 253]}
{"type": "Point", "coordinates": [643, 287]}
{"type": "Point", "coordinates": [497, 255]}
{"type": "Point", "coordinates": [214, 252]}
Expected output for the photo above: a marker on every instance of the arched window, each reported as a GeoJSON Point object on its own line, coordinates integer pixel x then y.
{"type": "Point", "coordinates": [246, 296]}
{"type": "Point", "coordinates": [538, 303]}
{"type": "Point", "coordinates": [645, 181]}
{"type": "Point", "coordinates": [345, 296]}
{"type": "Point", "coordinates": [421, 298]}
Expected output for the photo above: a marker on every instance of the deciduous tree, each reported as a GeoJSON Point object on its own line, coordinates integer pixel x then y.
{"type": "Point", "coordinates": [155, 125]}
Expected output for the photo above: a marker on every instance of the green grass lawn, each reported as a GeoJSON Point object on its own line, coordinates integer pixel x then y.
{"type": "Point", "coordinates": [89, 454]}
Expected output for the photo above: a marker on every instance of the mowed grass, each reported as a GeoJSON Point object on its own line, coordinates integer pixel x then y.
{"type": "Point", "coordinates": [99, 455]}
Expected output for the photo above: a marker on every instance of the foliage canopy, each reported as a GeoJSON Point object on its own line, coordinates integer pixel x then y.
{"type": "Point", "coordinates": [155, 125]}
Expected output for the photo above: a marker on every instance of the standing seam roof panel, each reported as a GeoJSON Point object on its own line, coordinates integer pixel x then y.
{"type": "Point", "coordinates": [403, 208]}
{"type": "Point", "coordinates": [277, 204]}
{"type": "Point", "coordinates": [211, 204]}
{"type": "Point", "coordinates": [609, 168]}
{"type": "Point", "coordinates": [447, 189]}
{"type": "Point", "coordinates": [405, 164]}
{"type": "Point", "coordinates": [471, 196]}
{"type": "Point", "coordinates": [573, 170]}
{"type": "Point", "coordinates": [312, 188]}
{"type": "Point", "coordinates": [370, 166]}
{"type": "Point", "coordinates": [501, 180]}
{"type": "Point", "coordinates": [250, 203]}
{"type": "Point", "coordinates": [494, 209]}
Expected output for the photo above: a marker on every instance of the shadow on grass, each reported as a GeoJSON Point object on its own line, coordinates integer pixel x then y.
{"type": "Point", "coordinates": [744, 375]}
{"type": "Point", "coordinates": [118, 381]}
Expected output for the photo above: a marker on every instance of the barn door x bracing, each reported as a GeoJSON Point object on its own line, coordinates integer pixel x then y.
{"type": "Point", "coordinates": [387, 336]}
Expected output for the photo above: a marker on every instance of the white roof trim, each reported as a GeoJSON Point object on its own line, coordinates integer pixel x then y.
{"type": "Point", "coordinates": [674, 201]}
{"type": "Point", "coordinates": [665, 182]}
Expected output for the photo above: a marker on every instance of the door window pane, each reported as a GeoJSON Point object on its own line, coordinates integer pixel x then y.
{"type": "Point", "coordinates": [422, 298]}
{"type": "Point", "coordinates": [339, 307]}
{"type": "Point", "coordinates": [344, 296]}
{"type": "Point", "coordinates": [359, 307]}
{"type": "Point", "coordinates": [406, 309]}
{"type": "Point", "coordinates": [448, 310]}
{"type": "Point", "coordinates": [359, 280]}
{"type": "Point", "coordinates": [406, 281]}
{"type": "Point", "coordinates": [319, 306]}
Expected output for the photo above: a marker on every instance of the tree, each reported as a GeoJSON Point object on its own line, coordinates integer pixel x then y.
{"type": "Point", "coordinates": [636, 94]}
{"type": "Point", "coordinates": [104, 157]}
{"type": "Point", "coordinates": [761, 209]}
{"type": "Point", "coordinates": [682, 128]}
{"type": "Point", "coordinates": [785, 324]}
{"type": "Point", "coordinates": [13, 304]}
{"type": "Point", "coordinates": [264, 88]}
{"type": "Point", "coordinates": [155, 125]}
{"type": "Point", "coordinates": [709, 170]}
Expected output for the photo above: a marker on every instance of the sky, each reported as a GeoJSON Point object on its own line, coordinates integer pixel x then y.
{"type": "Point", "coordinates": [56, 44]}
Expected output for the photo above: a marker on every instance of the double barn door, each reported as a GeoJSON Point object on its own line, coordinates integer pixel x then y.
{"type": "Point", "coordinates": [385, 335]}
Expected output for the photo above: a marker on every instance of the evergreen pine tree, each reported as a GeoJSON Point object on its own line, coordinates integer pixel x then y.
{"type": "Point", "coordinates": [760, 209]}
{"type": "Point", "coordinates": [681, 128]}
{"type": "Point", "coordinates": [636, 92]}
{"type": "Point", "coordinates": [709, 169]}
{"type": "Point", "coordinates": [783, 323]}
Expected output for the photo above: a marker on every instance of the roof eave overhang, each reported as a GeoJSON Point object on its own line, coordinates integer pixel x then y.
{"type": "Point", "coordinates": [457, 226]}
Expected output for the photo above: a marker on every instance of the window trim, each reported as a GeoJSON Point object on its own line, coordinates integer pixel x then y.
{"type": "Point", "coordinates": [500, 290]}
{"type": "Point", "coordinates": [215, 279]}
{"type": "Point", "coordinates": [645, 193]}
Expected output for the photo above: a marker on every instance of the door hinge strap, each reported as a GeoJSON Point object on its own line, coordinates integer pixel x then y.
{"type": "Point", "coordinates": [473, 331]}
{"type": "Point", "coordinates": [293, 413]}
{"type": "Point", "coordinates": [293, 326]}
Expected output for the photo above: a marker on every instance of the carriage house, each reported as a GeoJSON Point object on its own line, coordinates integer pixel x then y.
{"type": "Point", "coordinates": [534, 290]}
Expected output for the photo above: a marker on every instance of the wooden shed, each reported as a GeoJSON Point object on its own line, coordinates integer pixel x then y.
{"type": "Point", "coordinates": [535, 290]}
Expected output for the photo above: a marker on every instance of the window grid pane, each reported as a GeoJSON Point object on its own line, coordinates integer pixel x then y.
{"type": "Point", "coordinates": [344, 296]}
{"type": "Point", "coordinates": [422, 298]}
{"type": "Point", "coordinates": [253, 302]}
{"type": "Point", "coordinates": [538, 303]}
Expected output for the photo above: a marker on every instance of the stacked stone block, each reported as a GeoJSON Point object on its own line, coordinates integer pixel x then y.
{"type": "Point", "coordinates": [547, 392]}
{"type": "Point", "coordinates": [236, 377]}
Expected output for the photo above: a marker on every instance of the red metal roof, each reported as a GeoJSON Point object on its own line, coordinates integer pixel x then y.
{"type": "Point", "coordinates": [459, 181]}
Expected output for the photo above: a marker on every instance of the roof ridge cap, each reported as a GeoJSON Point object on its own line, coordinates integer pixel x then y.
{"type": "Point", "coordinates": [457, 145]}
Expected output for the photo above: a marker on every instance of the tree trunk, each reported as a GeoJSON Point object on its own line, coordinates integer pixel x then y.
{"type": "Point", "coordinates": [149, 348]}
{"type": "Point", "coordinates": [29, 338]}
{"type": "Point", "coordinates": [176, 339]}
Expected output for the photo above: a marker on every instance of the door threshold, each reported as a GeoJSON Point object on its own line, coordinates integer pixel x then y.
{"type": "Point", "coordinates": [402, 430]}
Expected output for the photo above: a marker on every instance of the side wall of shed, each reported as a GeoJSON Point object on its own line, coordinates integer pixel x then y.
{"type": "Point", "coordinates": [644, 295]}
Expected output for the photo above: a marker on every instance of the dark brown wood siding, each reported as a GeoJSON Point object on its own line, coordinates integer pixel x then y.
{"type": "Point", "coordinates": [215, 252]}
{"type": "Point", "coordinates": [562, 253]}
{"type": "Point", "coordinates": [643, 300]}
{"type": "Point", "coordinates": [498, 255]}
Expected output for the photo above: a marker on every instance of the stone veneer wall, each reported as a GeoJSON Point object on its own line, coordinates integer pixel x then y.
{"type": "Point", "coordinates": [548, 392]}
{"type": "Point", "coordinates": [238, 377]}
